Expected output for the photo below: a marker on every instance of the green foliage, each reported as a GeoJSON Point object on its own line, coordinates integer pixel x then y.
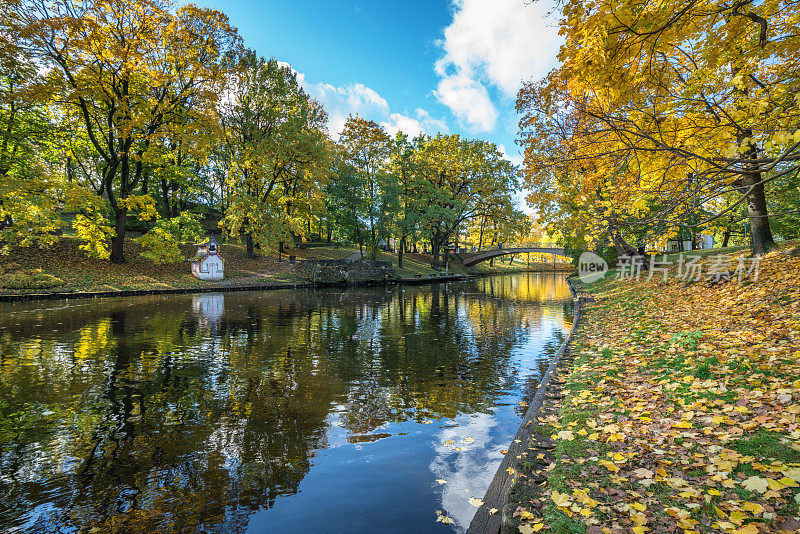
{"type": "Point", "coordinates": [95, 232]}
{"type": "Point", "coordinates": [686, 340]}
{"type": "Point", "coordinates": [162, 240]}
{"type": "Point", "coordinates": [273, 152]}
{"type": "Point", "coordinates": [344, 200]}
{"type": "Point", "coordinates": [784, 196]}
{"type": "Point", "coordinates": [185, 227]}
{"type": "Point", "coordinates": [161, 245]}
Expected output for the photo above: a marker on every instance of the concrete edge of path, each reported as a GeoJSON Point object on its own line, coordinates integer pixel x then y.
{"type": "Point", "coordinates": [497, 494]}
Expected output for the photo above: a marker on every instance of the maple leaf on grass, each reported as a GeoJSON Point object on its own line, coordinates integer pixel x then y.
{"type": "Point", "coordinates": [755, 483]}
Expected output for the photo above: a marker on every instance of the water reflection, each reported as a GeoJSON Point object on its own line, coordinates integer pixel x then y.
{"type": "Point", "coordinates": [279, 411]}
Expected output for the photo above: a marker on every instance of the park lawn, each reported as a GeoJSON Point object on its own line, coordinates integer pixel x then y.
{"type": "Point", "coordinates": [66, 268]}
{"type": "Point", "coordinates": [331, 252]}
{"type": "Point", "coordinates": [413, 264]}
{"type": "Point", "coordinates": [418, 264]}
{"type": "Point", "coordinates": [78, 272]}
{"type": "Point", "coordinates": [681, 410]}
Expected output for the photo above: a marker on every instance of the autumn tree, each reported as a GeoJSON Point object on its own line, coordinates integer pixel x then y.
{"type": "Point", "coordinates": [273, 150]}
{"type": "Point", "coordinates": [366, 148]}
{"type": "Point", "coordinates": [30, 189]}
{"type": "Point", "coordinates": [409, 205]}
{"type": "Point", "coordinates": [679, 103]}
{"type": "Point", "coordinates": [457, 178]}
{"type": "Point", "coordinates": [129, 69]}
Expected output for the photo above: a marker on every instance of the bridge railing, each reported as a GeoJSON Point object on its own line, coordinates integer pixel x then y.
{"type": "Point", "coordinates": [529, 244]}
{"type": "Point", "coordinates": [511, 245]}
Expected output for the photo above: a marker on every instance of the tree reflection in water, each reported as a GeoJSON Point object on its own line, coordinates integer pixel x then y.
{"type": "Point", "coordinates": [170, 413]}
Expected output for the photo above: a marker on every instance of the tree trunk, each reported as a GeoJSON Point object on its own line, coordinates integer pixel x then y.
{"type": "Point", "coordinates": [758, 216]}
{"type": "Point", "coordinates": [726, 237]}
{"type": "Point", "coordinates": [480, 239]}
{"type": "Point", "coordinates": [760, 232]}
{"type": "Point", "coordinates": [400, 248]}
{"type": "Point", "coordinates": [251, 252]}
{"type": "Point", "coordinates": [626, 249]}
{"type": "Point", "coordinates": [118, 240]}
{"type": "Point", "coordinates": [165, 198]}
{"type": "Point", "coordinates": [374, 243]}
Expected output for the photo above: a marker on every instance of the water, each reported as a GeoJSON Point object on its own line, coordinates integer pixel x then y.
{"type": "Point", "coordinates": [284, 411]}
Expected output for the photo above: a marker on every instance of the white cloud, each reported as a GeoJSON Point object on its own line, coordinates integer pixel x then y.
{"type": "Point", "coordinates": [515, 159]}
{"type": "Point", "coordinates": [498, 44]}
{"type": "Point", "coordinates": [469, 100]}
{"type": "Point", "coordinates": [470, 471]}
{"type": "Point", "coordinates": [421, 123]}
{"type": "Point", "coordinates": [357, 98]}
{"type": "Point", "coordinates": [340, 102]}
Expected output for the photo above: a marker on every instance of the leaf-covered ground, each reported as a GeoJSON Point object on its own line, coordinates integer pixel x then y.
{"type": "Point", "coordinates": [681, 411]}
{"type": "Point", "coordinates": [75, 271]}
{"type": "Point", "coordinates": [78, 272]}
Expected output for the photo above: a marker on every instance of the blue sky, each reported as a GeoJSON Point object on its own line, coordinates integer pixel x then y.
{"type": "Point", "coordinates": [451, 66]}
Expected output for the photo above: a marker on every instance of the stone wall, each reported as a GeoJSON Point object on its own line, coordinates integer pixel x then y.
{"type": "Point", "coordinates": [348, 272]}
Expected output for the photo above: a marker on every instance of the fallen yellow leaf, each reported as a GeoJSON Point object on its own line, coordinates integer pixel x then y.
{"type": "Point", "coordinates": [475, 502]}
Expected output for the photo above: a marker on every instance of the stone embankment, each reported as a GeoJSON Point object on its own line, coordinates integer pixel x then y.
{"type": "Point", "coordinates": [496, 514]}
{"type": "Point", "coordinates": [348, 272]}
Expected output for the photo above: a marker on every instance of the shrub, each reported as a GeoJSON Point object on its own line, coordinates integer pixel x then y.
{"type": "Point", "coordinates": [94, 231]}
{"type": "Point", "coordinates": [161, 245]}
{"type": "Point", "coordinates": [162, 240]}
{"type": "Point", "coordinates": [29, 280]}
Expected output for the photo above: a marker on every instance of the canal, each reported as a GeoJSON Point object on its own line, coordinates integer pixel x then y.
{"type": "Point", "coordinates": [330, 410]}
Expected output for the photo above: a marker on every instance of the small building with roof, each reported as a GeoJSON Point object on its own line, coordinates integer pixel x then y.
{"type": "Point", "coordinates": [207, 264]}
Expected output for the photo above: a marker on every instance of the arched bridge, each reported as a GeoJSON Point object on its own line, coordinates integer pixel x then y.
{"type": "Point", "coordinates": [471, 258]}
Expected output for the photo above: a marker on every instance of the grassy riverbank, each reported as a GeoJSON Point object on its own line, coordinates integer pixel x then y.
{"type": "Point", "coordinates": [519, 264]}
{"type": "Point", "coordinates": [65, 268]}
{"type": "Point", "coordinates": [681, 411]}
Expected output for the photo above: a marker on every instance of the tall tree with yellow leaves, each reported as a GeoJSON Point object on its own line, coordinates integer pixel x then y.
{"type": "Point", "coordinates": [130, 69]}
{"type": "Point", "coordinates": [274, 152]}
{"type": "Point", "coordinates": [659, 109]}
{"type": "Point", "coordinates": [366, 147]}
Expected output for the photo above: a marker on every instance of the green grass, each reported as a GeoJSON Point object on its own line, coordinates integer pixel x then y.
{"type": "Point", "coordinates": [673, 256]}
{"type": "Point", "coordinates": [766, 444]}
{"type": "Point", "coordinates": [519, 263]}
{"type": "Point", "coordinates": [332, 252]}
